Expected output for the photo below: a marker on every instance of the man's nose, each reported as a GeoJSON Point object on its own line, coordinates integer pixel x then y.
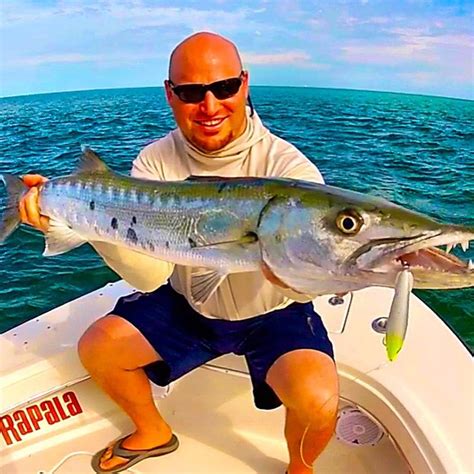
{"type": "Point", "coordinates": [210, 104]}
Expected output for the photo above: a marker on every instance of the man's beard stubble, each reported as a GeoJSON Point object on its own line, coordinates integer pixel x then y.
{"type": "Point", "coordinates": [213, 144]}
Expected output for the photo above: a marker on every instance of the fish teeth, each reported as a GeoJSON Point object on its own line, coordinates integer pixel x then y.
{"type": "Point", "coordinates": [470, 265]}
{"type": "Point", "coordinates": [465, 245]}
{"type": "Point", "coordinates": [449, 247]}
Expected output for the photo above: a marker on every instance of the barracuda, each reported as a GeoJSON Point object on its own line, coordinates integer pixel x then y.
{"type": "Point", "coordinates": [312, 238]}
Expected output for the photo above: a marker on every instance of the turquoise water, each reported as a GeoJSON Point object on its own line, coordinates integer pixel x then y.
{"type": "Point", "coordinates": [414, 150]}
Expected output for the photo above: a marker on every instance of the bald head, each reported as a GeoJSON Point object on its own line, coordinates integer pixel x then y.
{"type": "Point", "coordinates": [202, 51]}
{"type": "Point", "coordinates": [212, 120]}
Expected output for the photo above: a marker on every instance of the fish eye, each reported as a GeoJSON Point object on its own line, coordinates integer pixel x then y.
{"type": "Point", "coordinates": [349, 221]}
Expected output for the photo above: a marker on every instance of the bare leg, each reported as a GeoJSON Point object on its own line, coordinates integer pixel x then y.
{"type": "Point", "coordinates": [113, 351]}
{"type": "Point", "coordinates": [306, 382]}
{"type": "Point", "coordinates": [314, 442]}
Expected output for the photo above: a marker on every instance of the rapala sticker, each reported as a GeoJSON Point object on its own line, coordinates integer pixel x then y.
{"type": "Point", "coordinates": [20, 423]}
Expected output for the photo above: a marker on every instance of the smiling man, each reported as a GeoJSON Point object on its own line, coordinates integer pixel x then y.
{"type": "Point", "coordinates": [207, 122]}
{"type": "Point", "coordinates": [161, 334]}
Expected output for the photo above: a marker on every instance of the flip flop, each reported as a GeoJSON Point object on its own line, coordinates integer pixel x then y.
{"type": "Point", "coordinates": [134, 456]}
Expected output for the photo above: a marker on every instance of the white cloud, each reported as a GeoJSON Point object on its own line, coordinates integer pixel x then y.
{"type": "Point", "coordinates": [126, 14]}
{"type": "Point", "coordinates": [374, 20]}
{"type": "Point", "coordinates": [289, 57]}
{"type": "Point", "coordinates": [315, 22]}
{"type": "Point", "coordinates": [103, 59]}
{"type": "Point", "coordinates": [431, 78]}
{"type": "Point", "coordinates": [300, 58]}
{"type": "Point", "coordinates": [419, 78]}
{"type": "Point", "coordinates": [387, 54]}
{"type": "Point", "coordinates": [409, 44]}
{"type": "Point", "coordinates": [422, 37]}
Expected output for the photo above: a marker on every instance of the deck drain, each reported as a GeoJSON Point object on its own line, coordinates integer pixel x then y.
{"type": "Point", "coordinates": [357, 429]}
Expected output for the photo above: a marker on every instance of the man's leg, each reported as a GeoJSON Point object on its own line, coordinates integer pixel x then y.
{"type": "Point", "coordinates": [306, 382]}
{"type": "Point", "coordinates": [113, 351]}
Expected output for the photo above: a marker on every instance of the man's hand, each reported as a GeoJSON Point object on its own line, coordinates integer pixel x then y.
{"type": "Point", "coordinates": [29, 207]}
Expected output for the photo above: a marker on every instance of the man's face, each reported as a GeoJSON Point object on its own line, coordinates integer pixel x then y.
{"type": "Point", "coordinates": [212, 123]}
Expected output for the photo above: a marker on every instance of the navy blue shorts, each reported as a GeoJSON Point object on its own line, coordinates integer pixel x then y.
{"type": "Point", "coordinates": [185, 339]}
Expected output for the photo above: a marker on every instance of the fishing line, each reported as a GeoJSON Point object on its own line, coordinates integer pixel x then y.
{"type": "Point", "coordinates": [352, 379]}
{"type": "Point", "coordinates": [309, 466]}
{"type": "Point", "coordinates": [378, 367]}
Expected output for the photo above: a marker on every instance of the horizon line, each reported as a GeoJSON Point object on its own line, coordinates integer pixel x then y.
{"type": "Point", "coordinates": [254, 85]}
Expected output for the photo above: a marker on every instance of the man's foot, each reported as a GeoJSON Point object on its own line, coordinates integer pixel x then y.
{"type": "Point", "coordinates": [128, 451]}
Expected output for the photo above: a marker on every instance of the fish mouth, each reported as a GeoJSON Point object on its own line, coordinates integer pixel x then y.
{"type": "Point", "coordinates": [421, 254]}
{"type": "Point", "coordinates": [427, 255]}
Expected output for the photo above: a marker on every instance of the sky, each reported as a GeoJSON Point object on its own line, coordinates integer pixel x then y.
{"type": "Point", "coordinates": [413, 46]}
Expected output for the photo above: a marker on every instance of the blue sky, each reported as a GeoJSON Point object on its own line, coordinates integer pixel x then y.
{"type": "Point", "coordinates": [416, 46]}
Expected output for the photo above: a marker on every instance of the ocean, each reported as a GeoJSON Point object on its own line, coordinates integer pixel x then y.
{"type": "Point", "coordinates": [414, 150]}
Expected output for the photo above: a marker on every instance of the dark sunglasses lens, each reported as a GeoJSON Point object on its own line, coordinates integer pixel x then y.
{"type": "Point", "coordinates": [190, 93]}
{"type": "Point", "coordinates": [195, 93]}
{"type": "Point", "coordinates": [227, 88]}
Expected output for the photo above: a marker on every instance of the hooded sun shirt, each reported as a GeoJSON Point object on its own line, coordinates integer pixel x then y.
{"type": "Point", "coordinates": [257, 152]}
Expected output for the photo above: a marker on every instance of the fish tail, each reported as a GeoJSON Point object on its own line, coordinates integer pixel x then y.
{"type": "Point", "coordinates": [10, 217]}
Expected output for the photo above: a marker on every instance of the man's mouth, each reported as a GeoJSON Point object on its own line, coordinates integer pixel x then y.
{"type": "Point", "coordinates": [211, 123]}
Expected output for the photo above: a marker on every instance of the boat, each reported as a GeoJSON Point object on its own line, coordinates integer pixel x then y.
{"type": "Point", "coordinates": [413, 415]}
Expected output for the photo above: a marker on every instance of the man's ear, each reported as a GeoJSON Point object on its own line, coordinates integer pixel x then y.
{"type": "Point", "coordinates": [245, 79]}
{"type": "Point", "coordinates": [168, 91]}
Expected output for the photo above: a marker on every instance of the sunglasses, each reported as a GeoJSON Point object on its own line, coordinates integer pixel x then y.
{"type": "Point", "coordinates": [195, 93]}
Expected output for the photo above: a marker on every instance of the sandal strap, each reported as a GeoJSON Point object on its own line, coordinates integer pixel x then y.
{"type": "Point", "coordinates": [118, 450]}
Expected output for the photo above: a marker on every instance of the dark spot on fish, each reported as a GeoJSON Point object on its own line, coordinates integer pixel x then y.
{"type": "Point", "coordinates": [132, 236]}
{"type": "Point", "coordinates": [92, 205]}
{"type": "Point", "coordinates": [221, 187]}
{"type": "Point", "coordinates": [192, 243]}
{"type": "Point", "coordinates": [278, 237]}
{"type": "Point", "coordinates": [114, 223]}
{"type": "Point", "coordinates": [143, 245]}
{"type": "Point", "coordinates": [134, 220]}
{"type": "Point", "coordinates": [167, 244]}
{"type": "Point", "coordinates": [152, 246]}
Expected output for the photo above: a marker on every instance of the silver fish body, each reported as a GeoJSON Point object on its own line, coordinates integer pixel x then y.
{"type": "Point", "coordinates": [312, 238]}
{"type": "Point", "coordinates": [183, 223]}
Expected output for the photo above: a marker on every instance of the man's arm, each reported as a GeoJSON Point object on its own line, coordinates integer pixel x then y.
{"type": "Point", "coordinates": [141, 271]}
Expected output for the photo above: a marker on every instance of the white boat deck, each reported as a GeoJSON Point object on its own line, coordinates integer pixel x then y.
{"type": "Point", "coordinates": [423, 400]}
{"type": "Point", "coordinates": [219, 430]}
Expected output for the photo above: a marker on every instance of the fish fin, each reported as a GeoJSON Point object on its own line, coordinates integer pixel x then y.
{"type": "Point", "coordinates": [248, 238]}
{"type": "Point", "coordinates": [60, 239]}
{"type": "Point", "coordinates": [90, 162]}
{"type": "Point", "coordinates": [10, 219]}
{"type": "Point", "coordinates": [204, 283]}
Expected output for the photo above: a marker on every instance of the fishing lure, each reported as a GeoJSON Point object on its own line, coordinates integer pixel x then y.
{"type": "Point", "coordinates": [397, 321]}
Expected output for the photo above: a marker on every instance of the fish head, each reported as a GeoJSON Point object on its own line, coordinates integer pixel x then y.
{"type": "Point", "coordinates": [329, 240]}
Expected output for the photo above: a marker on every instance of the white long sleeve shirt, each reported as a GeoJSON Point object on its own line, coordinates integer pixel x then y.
{"type": "Point", "coordinates": [256, 153]}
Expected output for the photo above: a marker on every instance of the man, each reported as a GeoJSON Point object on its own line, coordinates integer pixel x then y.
{"type": "Point", "coordinates": [162, 334]}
